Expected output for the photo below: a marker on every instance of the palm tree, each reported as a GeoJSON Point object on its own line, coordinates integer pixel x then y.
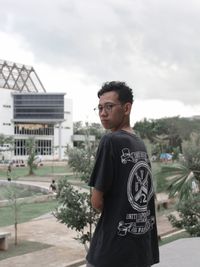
{"type": "Point", "coordinates": [182, 175]}
{"type": "Point", "coordinates": [30, 147]}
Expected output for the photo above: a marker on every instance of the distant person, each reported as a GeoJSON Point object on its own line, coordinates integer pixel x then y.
{"type": "Point", "coordinates": [126, 233]}
{"type": "Point", "coordinates": [9, 170]}
{"type": "Point", "coordinates": [53, 187]}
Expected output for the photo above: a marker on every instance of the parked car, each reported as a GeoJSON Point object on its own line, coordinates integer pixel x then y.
{"type": "Point", "coordinates": [18, 163]}
{"type": "Point", "coordinates": [38, 160]}
{"type": "Point", "coordinates": [5, 147]}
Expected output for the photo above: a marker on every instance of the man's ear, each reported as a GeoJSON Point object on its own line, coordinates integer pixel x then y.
{"type": "Point", "coordinates": [127, 108]}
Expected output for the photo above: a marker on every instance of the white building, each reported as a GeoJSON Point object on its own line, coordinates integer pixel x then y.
{"type": "Point", "coordinates": [27, 110]}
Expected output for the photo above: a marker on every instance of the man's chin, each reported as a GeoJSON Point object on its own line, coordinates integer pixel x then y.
{"type": "Point", "coordinates": [106, 125]}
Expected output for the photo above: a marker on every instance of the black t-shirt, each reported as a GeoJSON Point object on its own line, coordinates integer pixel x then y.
{"type": "Point", "coordinates": [126, 234]}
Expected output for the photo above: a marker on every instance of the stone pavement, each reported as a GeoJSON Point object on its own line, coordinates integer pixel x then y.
{"type": "Point", "coordinates": [182, 252]}
{"type": "Point", "coordinates": [65, 249]}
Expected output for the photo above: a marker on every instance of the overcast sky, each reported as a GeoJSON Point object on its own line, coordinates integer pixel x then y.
{"type": "Point", "coordinates": [77, 45]}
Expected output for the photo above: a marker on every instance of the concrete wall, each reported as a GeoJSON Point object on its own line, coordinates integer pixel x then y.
{"type": "Point", "coordinates": [6, 112]}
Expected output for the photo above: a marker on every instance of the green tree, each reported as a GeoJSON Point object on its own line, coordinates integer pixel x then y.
{"type": "Point", "coordinates": [176, 130]}
{"type": "Point", "coordinates": [78, 127]}
{"type": "Point", "coordinates": [93, 128]}
{"type": "Point", "coordinates": [173, 133]}
{"type": "Point", "coordinates": [30, 148]}
{"type": "Point", "coordinates": [75, 210]}
{"type": "Point", "coordinates": [162, 142]}
{"type": "Point", "coordinates": [182, 174]}
{"type": "Point", "coordinates": [162, 133]}
{"type": "Point", "coordinates": [13, 195]}
{"type": "Point", "coordinates": [74, 205]}
{"type": "Point", "coordinates": [191, 151]}
{"type": "Point", "coordinates": [145, 129]}
{"type": "Point", "coordinates": [6, 140]}
{"type": "Point", "coordinates": [81, 160]}
{"type": "Point", "coordinates": [189, 216]}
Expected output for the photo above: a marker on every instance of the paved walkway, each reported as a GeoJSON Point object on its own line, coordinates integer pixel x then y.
{"type": "Point", "coordinates": [180, 253]}
{"type": "Point", "coordinates": [65, 249]}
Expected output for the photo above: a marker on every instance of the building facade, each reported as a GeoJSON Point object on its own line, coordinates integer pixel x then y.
{"type": "Point", "coordinates": [27, 110]}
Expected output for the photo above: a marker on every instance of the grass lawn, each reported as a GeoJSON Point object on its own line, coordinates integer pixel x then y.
{"type": "Point", "coordinates": [22, 248]}
{"type": "Point", "coordinates": [26, 212]}
{"type": "Point", "coordinates": [40, 171]}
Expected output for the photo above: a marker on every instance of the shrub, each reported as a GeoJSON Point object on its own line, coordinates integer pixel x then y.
{"type": "Point", "coordinates": [75, 210]}
{"type": "Point", "coordinates": [189, 213]}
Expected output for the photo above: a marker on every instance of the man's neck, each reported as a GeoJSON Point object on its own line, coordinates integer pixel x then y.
{"type": "Point", "coordinates": [127, 129]}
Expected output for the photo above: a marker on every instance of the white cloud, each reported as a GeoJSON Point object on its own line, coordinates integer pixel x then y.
{"type": "Point", "coordinates": [14, 49]}
{"type": "Point", "coordinates": [77, 45]}
{"type": "Point", "coordinates": [158, 108]}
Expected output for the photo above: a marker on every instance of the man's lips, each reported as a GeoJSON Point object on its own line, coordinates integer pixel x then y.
{"type": "Point", "coordinates": [104, 121]}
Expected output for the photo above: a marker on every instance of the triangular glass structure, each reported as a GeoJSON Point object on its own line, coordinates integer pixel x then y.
{"type": "Point", "coordinates": [18, 77]}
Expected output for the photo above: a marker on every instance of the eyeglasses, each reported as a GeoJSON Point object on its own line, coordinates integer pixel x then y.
{"type": "Point", "coordinates": [107, 107]}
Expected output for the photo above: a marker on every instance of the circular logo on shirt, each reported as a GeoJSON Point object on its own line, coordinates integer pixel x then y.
{"type": "Point", "coordinates": [140, 186]}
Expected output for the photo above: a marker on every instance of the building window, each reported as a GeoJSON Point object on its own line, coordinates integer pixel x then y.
{"type": "Point", "coordinates": [42, 147]}
{"type": "Point", "coordinates": [34, 129]}
{"type": "Point", "coordinates": [7, 106]}
{"type": "Point", "coordinates": [39, 106]}
{"type": "Point", "coordinates": [20, 147]}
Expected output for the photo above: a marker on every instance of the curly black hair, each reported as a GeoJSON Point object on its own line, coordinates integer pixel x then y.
{"type": "Point", "coordinates": [124, 92]}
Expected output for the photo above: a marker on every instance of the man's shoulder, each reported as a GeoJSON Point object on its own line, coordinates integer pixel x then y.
{"type": "Point", "coordinates": [111, 136]}
{"type": "Point", "coordinates": [105, 141]}
{"type": "Point", "coordinates": [120, 136]}
{"type": "Point", "coordinates": [106, 137]}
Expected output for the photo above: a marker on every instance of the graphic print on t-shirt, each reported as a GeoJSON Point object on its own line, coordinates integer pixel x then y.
{"type": "Point", "coordinates": [139, 193]}
{"type": "Point", "coordinates": [139, 187]}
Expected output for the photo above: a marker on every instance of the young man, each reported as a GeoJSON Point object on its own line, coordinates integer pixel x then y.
{"type": "Point", "coordinates": [52, 187]}
{"type": "Point", "coordinates": [126, 234]}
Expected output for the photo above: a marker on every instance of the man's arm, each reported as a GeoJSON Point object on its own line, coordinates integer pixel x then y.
{"type": "Point", "coordinates": [97, 200]}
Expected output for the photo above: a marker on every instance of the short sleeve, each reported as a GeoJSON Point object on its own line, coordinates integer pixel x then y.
{"type": "Point", "coordinates": [102, 174]}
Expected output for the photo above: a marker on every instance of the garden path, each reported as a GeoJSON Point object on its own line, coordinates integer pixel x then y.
{"type": "Point", "coordinates": [65, 249]}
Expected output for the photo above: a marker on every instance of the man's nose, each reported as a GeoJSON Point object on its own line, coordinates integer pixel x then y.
{"type": "Point", "coordinates": [103, 112]}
